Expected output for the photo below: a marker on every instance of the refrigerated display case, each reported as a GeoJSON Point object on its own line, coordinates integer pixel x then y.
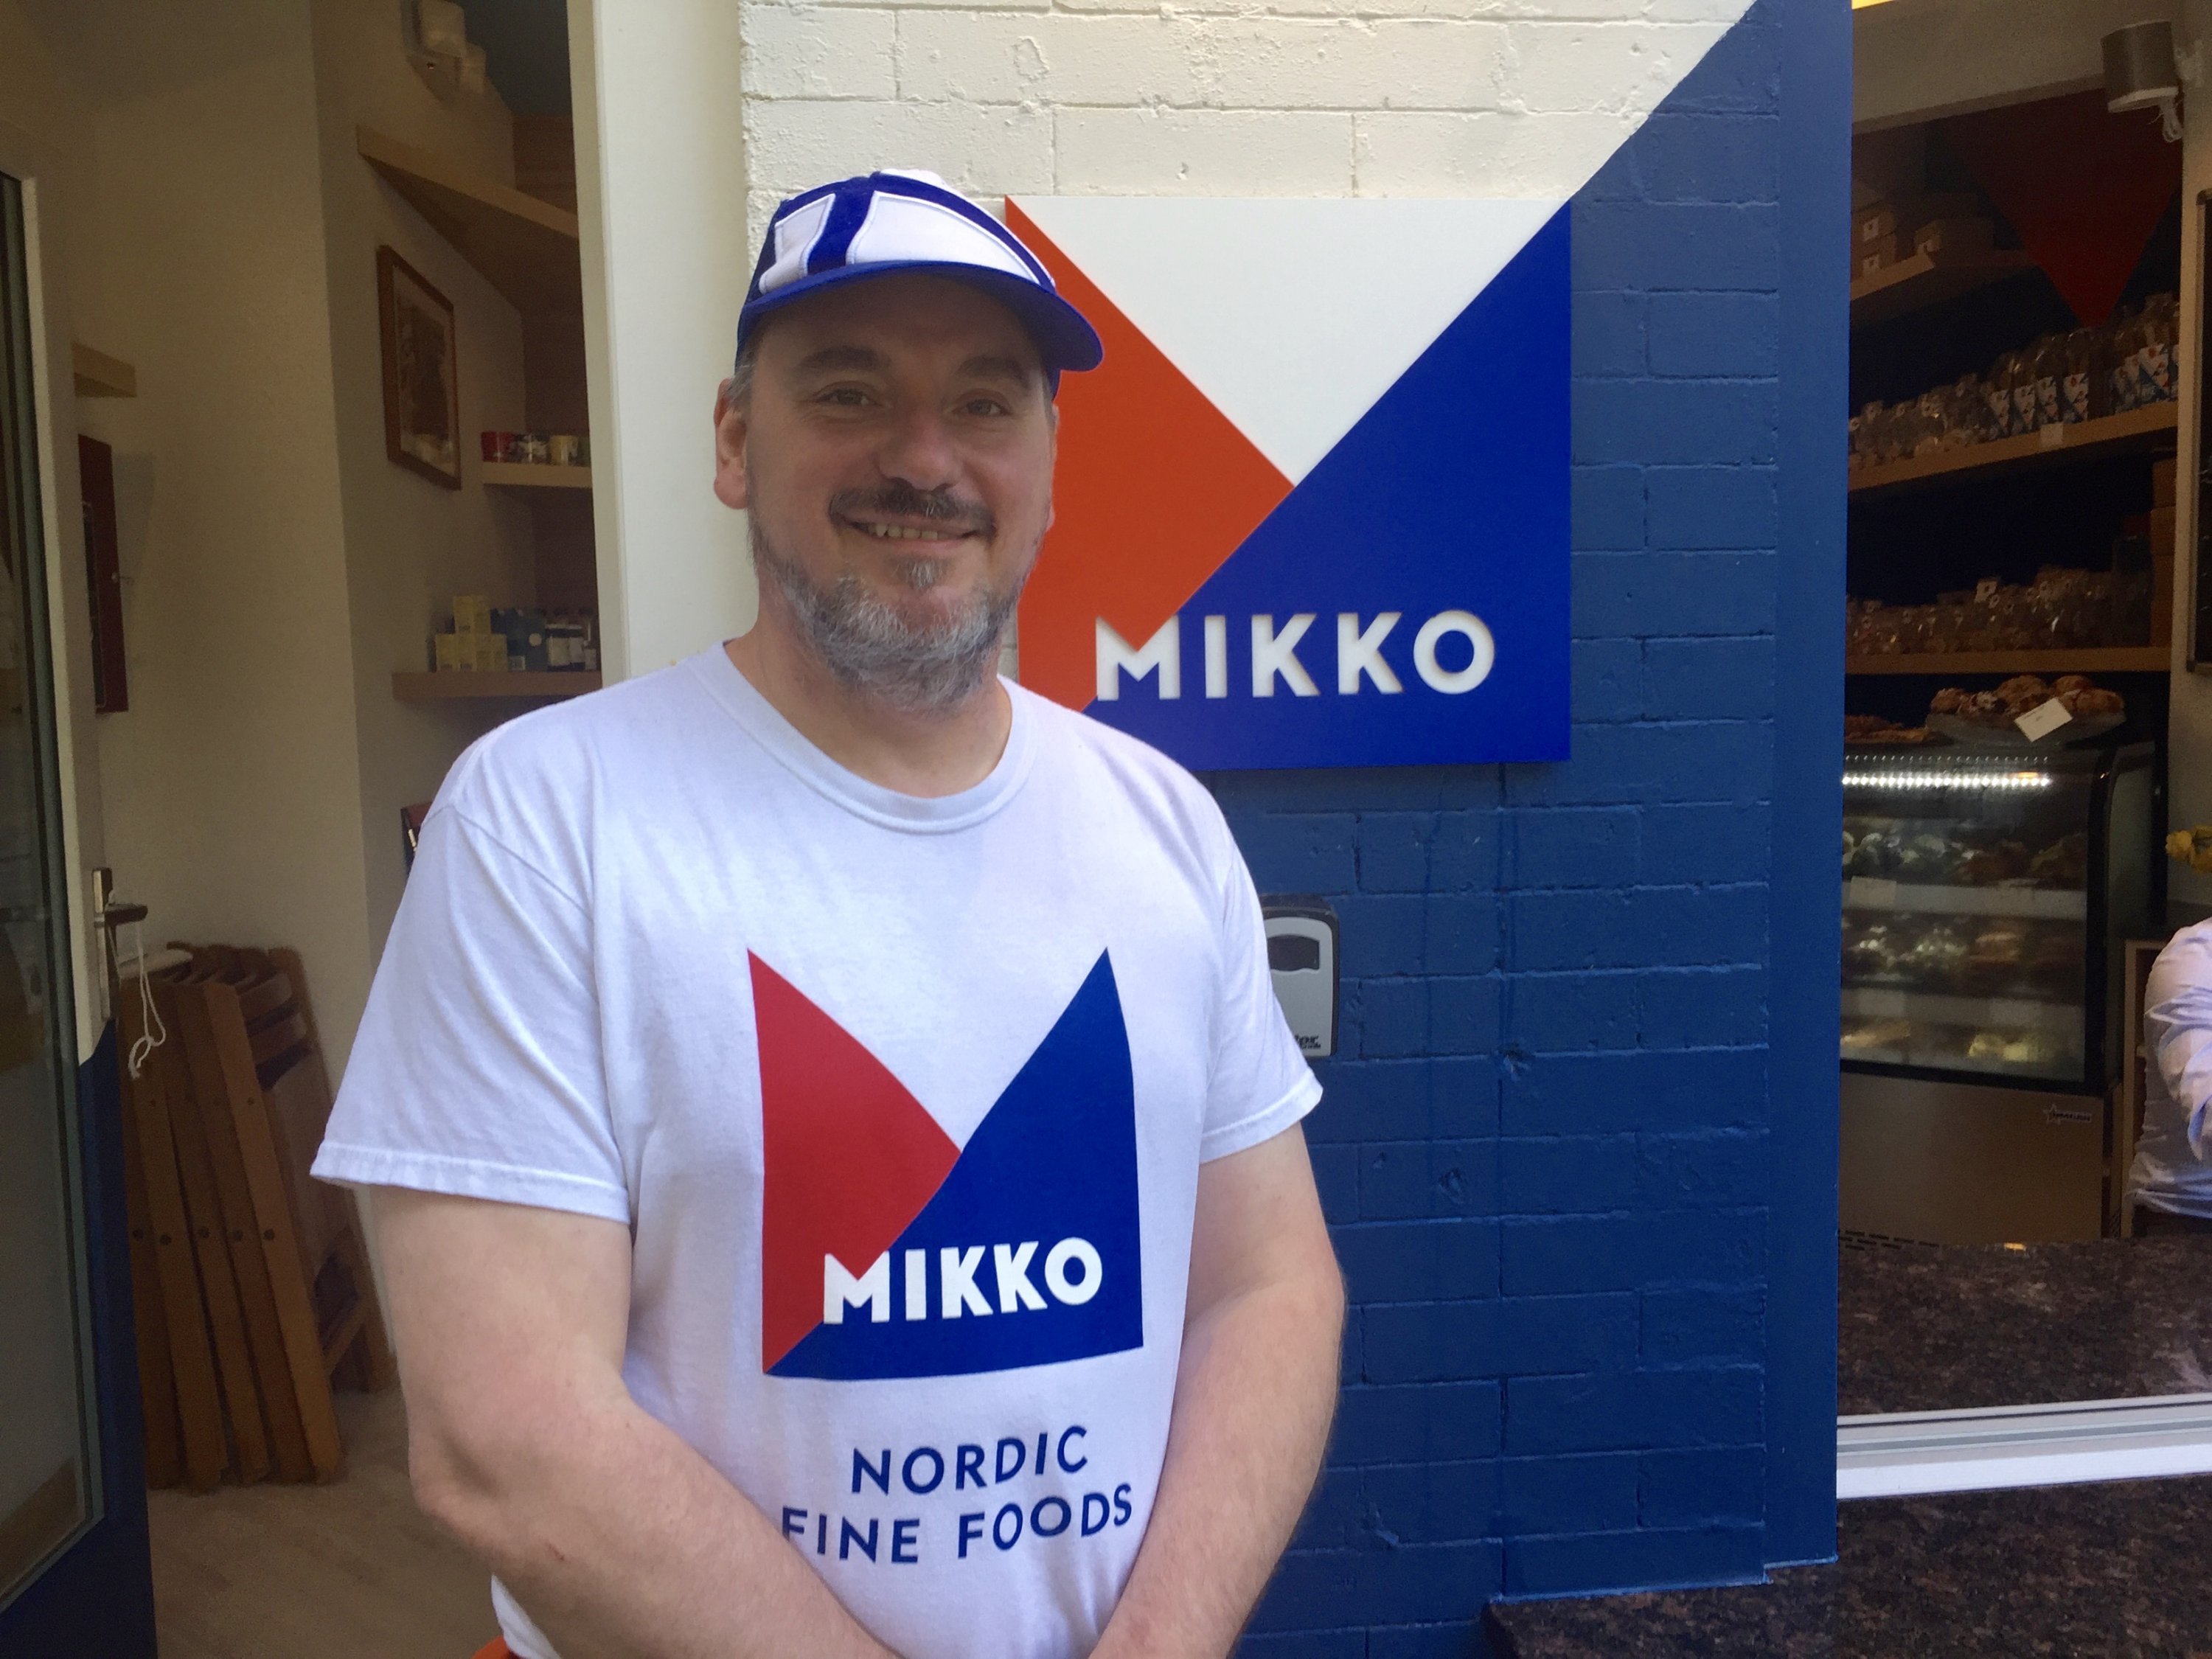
{"type": "Point", "coordinates": [1987, 896]}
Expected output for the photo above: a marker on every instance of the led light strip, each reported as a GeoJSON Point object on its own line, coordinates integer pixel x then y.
{"type": "Point", "coordinates": [1947, 780]}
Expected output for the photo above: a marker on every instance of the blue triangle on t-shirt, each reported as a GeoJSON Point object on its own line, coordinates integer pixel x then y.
{"type": "Point", "coordinates": [1043, 1197]}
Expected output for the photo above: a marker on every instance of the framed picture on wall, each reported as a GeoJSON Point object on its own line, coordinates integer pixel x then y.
{"type": "Point", "coordinates": [103, 575]}
{"type": "Point", "coordinates": [421, 383]}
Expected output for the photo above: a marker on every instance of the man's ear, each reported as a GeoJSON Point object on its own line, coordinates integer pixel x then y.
{"type": "Point", "coordinates": [732, 486]}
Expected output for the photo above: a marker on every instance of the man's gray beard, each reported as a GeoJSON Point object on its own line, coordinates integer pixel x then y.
{"type": "Point", "coordinates": [869, 646]}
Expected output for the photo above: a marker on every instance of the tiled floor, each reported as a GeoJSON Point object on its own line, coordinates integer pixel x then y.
{"type": "Point", "coordinates": [350, 1571]}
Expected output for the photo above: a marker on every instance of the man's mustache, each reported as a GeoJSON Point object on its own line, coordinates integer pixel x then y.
{"type": "Point", "coordinates": [904, 500]}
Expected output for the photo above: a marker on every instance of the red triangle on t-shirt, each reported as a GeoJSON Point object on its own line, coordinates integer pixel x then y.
{"type": "Point", "coordinates": [850, 1158]}
{"type": "Point", "coordinates": [1154, 489]}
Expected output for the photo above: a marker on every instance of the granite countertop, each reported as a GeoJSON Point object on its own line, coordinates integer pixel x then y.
{"type": "Point", "coordinates": [2113, 1571]}
{"type": "Point", "coordinates": [1931, 1327]}
{"type": "Point", "coordinates": [2109, 1571]}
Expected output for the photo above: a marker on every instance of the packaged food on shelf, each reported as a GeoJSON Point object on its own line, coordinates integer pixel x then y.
{"type": "Point", "coordinates": [2059, 379]}
{"type": "Point", "coordinates": [2062, 608]}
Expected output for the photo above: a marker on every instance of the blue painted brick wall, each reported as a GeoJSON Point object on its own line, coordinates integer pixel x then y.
{"type": "Point", "coordinates": [1543, 1147]}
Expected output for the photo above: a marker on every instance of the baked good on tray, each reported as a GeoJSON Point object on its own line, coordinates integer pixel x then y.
{"type": "Point", "coordinates": [2076, 693]}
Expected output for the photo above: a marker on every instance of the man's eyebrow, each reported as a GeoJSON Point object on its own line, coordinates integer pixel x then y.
{"type": "Point", "coordinates": [991, 366]}
{"type": "Point", "coordinates": [864, 358]}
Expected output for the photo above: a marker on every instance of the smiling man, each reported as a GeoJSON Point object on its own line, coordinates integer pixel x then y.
{"type": "Point", "coordinates": [835, 1147]}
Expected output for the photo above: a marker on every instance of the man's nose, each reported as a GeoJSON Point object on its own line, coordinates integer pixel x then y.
{"type": "Point", "coordinates": [919, 450]}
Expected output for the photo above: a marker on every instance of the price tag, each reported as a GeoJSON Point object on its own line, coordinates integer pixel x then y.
{"type": "Point", "coordinates": [2042, 720]}
{"type": "Point", "coordinates": [1873, 893]}
{"type": "Point", "coordinates": [2052, 436]}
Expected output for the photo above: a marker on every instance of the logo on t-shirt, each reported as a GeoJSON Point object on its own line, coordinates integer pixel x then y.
{"type": "Point", "coordinates": [889, 1251]}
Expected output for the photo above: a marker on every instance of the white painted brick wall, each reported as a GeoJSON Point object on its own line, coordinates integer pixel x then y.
{"type": "Point", "coordinates": [1209, 97]}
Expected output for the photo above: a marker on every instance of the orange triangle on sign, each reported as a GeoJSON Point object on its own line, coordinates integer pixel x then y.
{"type": "Point", "coordinates": [1155, 488]}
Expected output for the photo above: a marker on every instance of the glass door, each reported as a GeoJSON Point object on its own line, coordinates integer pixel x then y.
{"type": "Point", "coordinates": [72, 1540]}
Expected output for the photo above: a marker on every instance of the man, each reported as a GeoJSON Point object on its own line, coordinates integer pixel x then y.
{"type": "Point", "coordinates": [834, 1145]}
{"type": "Point", "coordinates": [2170, 1182]}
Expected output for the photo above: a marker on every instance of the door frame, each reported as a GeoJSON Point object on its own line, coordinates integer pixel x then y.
{"type": "Point", "coordinates": [96, 1595]}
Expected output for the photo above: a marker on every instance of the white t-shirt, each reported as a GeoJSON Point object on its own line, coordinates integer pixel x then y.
{"type": "Point", "coordinates": [902, 1100]}
{"type": "Point", "coordinates": [2170, 1171]}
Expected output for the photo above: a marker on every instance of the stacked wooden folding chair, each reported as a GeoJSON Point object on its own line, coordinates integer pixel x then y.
{"type": "Point", "coordinates": [260, 1298]}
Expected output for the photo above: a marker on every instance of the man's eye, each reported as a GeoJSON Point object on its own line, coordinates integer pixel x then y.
{"type": "Point", "coordinates": [984, 406]}
{"type": "Point", "coordinates": [845, 397]}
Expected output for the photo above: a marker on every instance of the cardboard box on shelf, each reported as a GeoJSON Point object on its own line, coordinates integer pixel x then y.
{"type": "Point", "coordinates": [2161, 482]}
{"type": "Point", "coordinates": [446, 653]}
{"type": "Point", "coordinates": [472, 614]}
{"type": "Point", "coordinates": [1879, 254]}
{"type": "Point", "coordinates": [1905, 215]}
{"type": "Point", "coordinates": [525, 633]}
{"type": "Point", "coordinates": [1870, 224]}
{"type": "Point", "coordinates": [491, 653]}
{"type": "Point", "coordinates": [1954, 236]}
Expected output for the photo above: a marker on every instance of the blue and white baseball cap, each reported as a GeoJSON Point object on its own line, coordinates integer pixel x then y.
{"type": "Point", "coordinates": [897, 220]}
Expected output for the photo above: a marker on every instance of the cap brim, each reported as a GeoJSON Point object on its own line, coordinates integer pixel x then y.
{"type": "Point", "coordinates": [1064, 336]}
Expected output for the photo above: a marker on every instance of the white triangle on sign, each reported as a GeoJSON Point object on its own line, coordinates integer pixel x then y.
{"type": "Point", "coordinates": [1292, 315]}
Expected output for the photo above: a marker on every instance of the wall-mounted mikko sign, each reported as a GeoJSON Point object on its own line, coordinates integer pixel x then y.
{"type": "Point", "coordinates": [1312, 511]}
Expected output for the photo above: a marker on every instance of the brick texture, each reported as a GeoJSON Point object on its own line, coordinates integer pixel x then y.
{"type": "Point", "coordinates": [1543, 1150]}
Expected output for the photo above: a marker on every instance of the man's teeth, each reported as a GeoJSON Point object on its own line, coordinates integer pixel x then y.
{"type": "Point", "coordinates": [908, 532]}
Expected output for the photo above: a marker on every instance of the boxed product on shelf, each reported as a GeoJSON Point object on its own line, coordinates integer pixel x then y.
{"type": "Point", "coordinates": [1878, 253]}
{"type": "Point", "coordinates": [1954, 236]}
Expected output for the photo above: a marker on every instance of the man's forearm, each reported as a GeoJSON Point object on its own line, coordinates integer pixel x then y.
{"type": "Point", "coordinates": [622, 1542]}
{"type": "Point", "coordinates": [1253, 1398]}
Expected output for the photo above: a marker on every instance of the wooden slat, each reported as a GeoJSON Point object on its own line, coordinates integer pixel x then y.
{"type": "Point", "coordinates": [258, 1000]}
{"type": "Point", "coordinates": [372, 1356]}
{"type": "Point", "coordinates": [234, 1358]}
{"type": "Point", "coordinates": [199, 1403]}
{"type": "Point", "coordinates": [157, 1380]}
{"type": "Point", "coordinates": [295, 1305]}
{"type": "Point", "coordinates": [282, 1034]}
{"type": "Point", "coordinates": [249, 1266]}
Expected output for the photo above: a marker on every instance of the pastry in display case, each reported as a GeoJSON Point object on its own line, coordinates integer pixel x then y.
{"type": "Point", "coordinates": [1984, 892]}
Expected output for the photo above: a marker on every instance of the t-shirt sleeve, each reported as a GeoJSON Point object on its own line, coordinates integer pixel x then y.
{"type": "Point", "coordinates": [1261, 1083]}
{"type": "Point", "coordinates": [477, 1069]}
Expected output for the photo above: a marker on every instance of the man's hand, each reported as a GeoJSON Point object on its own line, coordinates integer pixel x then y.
{"type": "Point", "coordinates": [1254, 1397]}
{"type": "Point", "coordinates": [523, 1441]}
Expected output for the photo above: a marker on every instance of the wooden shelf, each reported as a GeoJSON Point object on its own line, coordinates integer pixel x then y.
{"type": "Point", "coordinates": [2094, 659]}
{"type": "Point", "coordinates": [2141, 428]}
{"type": "Point", "coordinates": [525, 475]}
{"type": "Point", "coordinates": [529, 250]}
{"type": "Point", "coordinates": [98, 375]}
{"type": "Point", "coordinates": [419, 687]}
{"type": "Point", "coordinates": [1927, 279]}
